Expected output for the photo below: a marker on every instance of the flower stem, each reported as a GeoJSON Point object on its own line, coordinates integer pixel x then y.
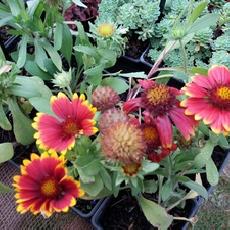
{"type": "Point", "coordinates": [184, 55]}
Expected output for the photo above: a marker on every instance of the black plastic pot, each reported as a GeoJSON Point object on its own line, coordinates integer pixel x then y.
{"type": "Point", "coordinates": [200, 201]}
{"type": "Point", "coordinates": [142, 59]}
{"type": "Point", "coordinates": [97, 219]}
{"type": "Point", "coordinates": [90, 214]}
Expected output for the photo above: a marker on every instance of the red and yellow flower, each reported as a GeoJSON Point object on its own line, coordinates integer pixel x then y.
{"type": "Point", "coordinates": [155, 152]}
{"type": "Point", "coordinates": [44, 186]}
{"type": "Point", "coordinates": [57, 133]}
{"type": "Point", "coordinates": [162, 109]}
{"type": "Point", "coordinates": [209, 99]}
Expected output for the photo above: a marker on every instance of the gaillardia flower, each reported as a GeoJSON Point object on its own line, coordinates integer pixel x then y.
{"type": "Point", "coordinates": [155, 152]}
{"type": "Point", "coordinates": [44, 186]}
{"type": "Point", "coordinates": [71, 118]}
{"type": "Point", "coordinates": [123, 142]}
{"type": "Point", "coordinates": [209, 99]}
{"type": "Point", "coordinates": [162, 108]}
{"type": "Point", "coordinates": [106, 29]}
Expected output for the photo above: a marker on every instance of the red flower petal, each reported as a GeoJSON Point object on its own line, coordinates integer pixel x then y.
{"type": "Point", "coordinates": [164, 127]}
{"type": "Point", "coordinates": [132, 105]}
{"type": "Point", "coordinates": [146, 84]}
{"type": "Point", "coordinates": [62, 106]}
{"type": "Point", "coordinates": [185, 124]}
{"type": "Point", "coordinates": [70, 186]}
{"type": "Point", "coordinates": [219, 74]}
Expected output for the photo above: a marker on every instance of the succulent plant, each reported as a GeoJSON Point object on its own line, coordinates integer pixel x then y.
{"type": "Point", "coordinates": [177, 6]}
{"type": "Point", "coordinates": [222, 43]}
{"type": "Point", "coordinates": [162, 28]}
{"type": "Point", "coordinates": [123, 142]}
{"type": "Point", "coordinates": [105, 97]}
{"type": "Point", "coordinates": [220, 58]}
{"type": "Point", "coordinates": [203, 37]}
{"type": "Point", "coordinates": [153, 54]}
{"type": "Point", "coordinates": [217, 3]}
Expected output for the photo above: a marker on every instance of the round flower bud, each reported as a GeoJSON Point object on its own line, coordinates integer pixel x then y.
{"type": "Point", "coordinates": [104, 98]}
{"type": "Point", "coordinates": [123, 142]}
{"type": "Point", "coordinates": [63, 79]}
{"type": "Point", "coordinates": [110, 117]}
{"type": "Point", "coordinates": [178, 33]}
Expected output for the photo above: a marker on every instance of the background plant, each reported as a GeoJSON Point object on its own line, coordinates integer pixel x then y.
{"type": "Point", "coordinates": [200, 49]}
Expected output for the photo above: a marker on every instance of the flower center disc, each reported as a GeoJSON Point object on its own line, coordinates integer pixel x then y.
{"type": "Point", "coordinates": [131, 169]}
{"type": "Point", "coordinates": [70, 127]}
{"type": "Point", "coordinates": [223, 93]}
{"type": "Point", "coordinates": [49, 187]}
{"type": "Point", "coordinates": [106, 29]}
{"type": "Point", "coordinates": [158, 99]}
{"type": "Point", "coordinates": [150, 134]}
{"type": "Point", "coordinates": [220, 97]}
{"type": "Point", "coordinates": [158, 95]}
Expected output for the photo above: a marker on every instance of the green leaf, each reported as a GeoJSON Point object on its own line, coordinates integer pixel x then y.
{"type": "Point", "coordinates": [23, 130]}
{"type": "Point", "coordinates": [155, 214]}
{"type": "Point", "coordinates": [203, 22]}
{"type": "Point", "coordinates": [41, 104]}
{"type": "Point", "coordinates": [150, 186]}
{"type": "Point", "coordinates": [4, 188]}
{"type": "Point", "coordinates": [199, 70]}
{"type": "Point", "coordinates": [118, 84]}
{"type": "Point", "coordinates": [94, 188]}
{"type": "Point", "coordinates": [2, 56]}
{"type": "Point", "coordinates": [4, 122]}
{"type": "Point", "coordinates": [40, 55]}
{"type": "Point", "coordinates": [29, 87]}
{"type": "Point", "coordinates": [67, 43]}
{"type": "Point", "coordinates": [149, 166]}
{"type": "Point", "coordinates": [91, 51]}
{"type": "Point", "coordinates": [84, 178]}
{"type": "Point", "coordinates": [119, 179]}
{"type": "Point", "coordinates": [212, 172]}
{"type": "Point", "coordinates": [106, 179]}
{"type": "Point", "coordinates": [15, 7]}
{"type": "Point", "coordinates": [94, 75]}
{"type": "Point", "coordinates": [92, 168]}
{"type": "Point", "coordinates": [22, 51]}
{"type": "Point", "coordinates": [204, 155]}
{"type": "Point", "coordinates": [55, 57]}
{"type": "Point", "coordinates": [134, 75]}
{"type": "Point", "coordinates": [32, 68]}
{"type": "Point", "coordinates": [181, 76]}
{"type": "Point", "coordinates": [58, 36]}
{"type": "Point", "coordinates": [193, 186]}
{"type": "Point", "coordinates": [32, 6]}
{"type": "Point", "coordinates": [6, 152]}
{"type": "Point", "coordinates": [197, 12]}
{"type": "Point", "coordinates": [166, 189]}
{"type": "Point", "coordinates": [223, 142]}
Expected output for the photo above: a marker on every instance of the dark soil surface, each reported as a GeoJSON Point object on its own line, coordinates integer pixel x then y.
{"type": "Point", "coordinates": [124, 213]}
{"type": "Point", "coordinates": [135, 47]}
{"type": "Point", "coordinates": [85, 206]}
{"type": "Point", "coordinates": [3, 34]}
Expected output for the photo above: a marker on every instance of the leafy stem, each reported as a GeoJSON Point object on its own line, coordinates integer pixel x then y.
{"type": "Point", "coordinates": [184, 55]}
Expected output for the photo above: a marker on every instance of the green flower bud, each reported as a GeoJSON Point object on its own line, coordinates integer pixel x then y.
{"type": "Point", "coordinates": [63, 79]}
{"type": "Point", "coordinates": [178, 33]}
